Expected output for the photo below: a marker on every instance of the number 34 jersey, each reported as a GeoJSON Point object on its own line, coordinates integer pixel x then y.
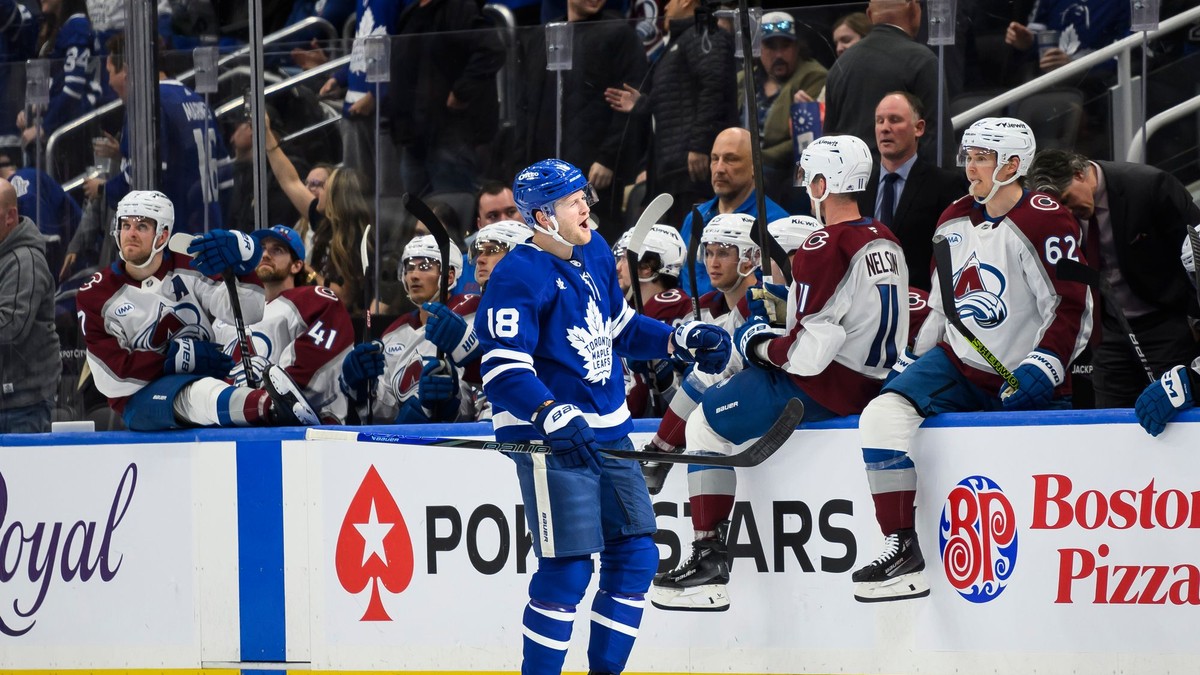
{"type": "Point", "coordinates": [847, 314]}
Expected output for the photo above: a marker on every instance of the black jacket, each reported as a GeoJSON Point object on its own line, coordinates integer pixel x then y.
{"type": "Point", "coordinates": [927, 192]}
{"type": "Point", "coordinates": [444, 46]}
{"type": "Point", "coordinates": [606, 52]}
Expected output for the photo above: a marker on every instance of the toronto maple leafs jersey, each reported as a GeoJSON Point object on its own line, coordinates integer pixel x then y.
{"type": "Point", "coordinates": [307, 331]}
{"type": "Point", "coordinates": [404, 348]}
{"type": "Point", "coordinates": [71, 94]}
{"type": "Point", "coordinates": [1006, 289]}
{"type": "Point", "coordinates": [185, 129]}
{"type": "Point", "coordinates": [375, 17]}
{"type": "Point", "coordinates": [127, 325]}
{"type": "Point", "coordinates": [847, 314]}
{"type": "Point", "coordinates": [553, 329]}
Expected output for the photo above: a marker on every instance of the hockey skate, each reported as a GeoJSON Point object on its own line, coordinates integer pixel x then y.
{"type": "Point", "coordinates": [289, 408]}
{"type": "Point", "coordinates": [655, 473]}
{"type": "Point", "coordinates": [699, 584]}
{"type": "Point", "coordinates": [897, 574]}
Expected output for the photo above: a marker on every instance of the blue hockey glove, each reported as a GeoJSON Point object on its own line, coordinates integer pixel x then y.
{"type": "Point", "coordinates": [570, 438]}
{"type": "Point", "coordinates": [438, 390]}
{"type": "Point", "coordinates": [360, 367]}
{"type": "Point", "coordinates": [751, 334]}
{"type": "Point", "coordinates": [1037, 376]}
{"type": "Point", "coordinates": [903, 360]}
{"type": "Point", "coordinates": [768, 300]}
{"type": "Point", "coordinates": [450, 333]}
{"type": "Point", "coordinates": [258, 366]}
{"type": "Point", "coordinates": [223, 249]}
{"type": "Point", "coordinates": [705, 344]}
{"type": "Point", "coordinates": [197, 357]}
{"type": "Point", "coordinates": [1160, 401]}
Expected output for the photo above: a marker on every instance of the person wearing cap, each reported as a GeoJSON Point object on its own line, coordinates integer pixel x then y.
{"type": "Point", "coordinates": [418, 381]}
{"type": "Point", "coordinates": [783, 68]}
{"type": "Point", "coordinates": [305, 329]}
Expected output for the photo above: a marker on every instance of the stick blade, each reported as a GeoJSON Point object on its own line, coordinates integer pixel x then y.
{"type": "Point", "coordinates": [1073, 270]}
{"type": "Point", "coordinates": [774, 438]}
{"type": "Point", "coordinates": [179, 242]}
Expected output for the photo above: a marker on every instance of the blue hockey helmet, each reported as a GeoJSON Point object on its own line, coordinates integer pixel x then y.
{"type": "Point", "coordinates": [544, 183]}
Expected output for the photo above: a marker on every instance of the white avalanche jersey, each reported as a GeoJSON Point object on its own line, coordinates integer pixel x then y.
{"type": "Point", "coordinates": [307, 331]}
{"type": "Point", "coordinates": [128, 325]}
{"type": "Point", "coordinates": [1006, 289]}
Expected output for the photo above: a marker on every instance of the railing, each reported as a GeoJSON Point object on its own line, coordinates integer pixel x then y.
{"type": "Point", "coordinates": [1137, 147]}
{"type": "Point", "coordinates": [83, 121]}
{"type": "Point", "coordinates": [1122, 94]}
{"type": "Point", "coordinates": [323, 69]}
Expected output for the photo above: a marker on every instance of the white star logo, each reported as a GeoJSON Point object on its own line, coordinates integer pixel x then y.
{"type": "Point", "coordinates": [373, 533]}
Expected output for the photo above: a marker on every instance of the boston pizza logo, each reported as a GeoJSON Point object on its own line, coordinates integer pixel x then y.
{"type": "Point", "coordinates": [977, 538]}
{"type": "Point", "coordinates": [373, 546]}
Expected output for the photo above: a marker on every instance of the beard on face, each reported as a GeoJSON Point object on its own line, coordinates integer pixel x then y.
{"type": "Point", "coordinates": [268, 273]}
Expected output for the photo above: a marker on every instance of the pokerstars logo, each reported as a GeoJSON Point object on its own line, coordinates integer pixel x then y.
{"type": "Point", "coordinates": [977, 539]}
{"type": "Point", "coordinates": [373, 546]}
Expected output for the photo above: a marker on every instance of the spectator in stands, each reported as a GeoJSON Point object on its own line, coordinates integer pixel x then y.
{"type": "Point", "coordinates": [493, 203]}
{"type": "Point", "coordinates": [607, 53]}
{"type": "Point", "coordinates": [18, 43]}
{"type": "Point", "coordinates": [30, 364]}
{"type": "Point", "coordinates": [339, 214]}
{"type": "Point", "coordinates": [690, 97]}
{"type": "Point", "coordinates": [848, 30]}
{"type": "Point", "coordinates": [67, 41]}
{"type": "Point", "coordinates": [442, 97]}
{"type": "Point", "coordinates": [41, 199]}
{"type": "Point", "coordinates": [915, 190]}
{"type": "Point", "coordinates": [1082, 27]}
{"type": "Point", "coordinates": [783, 69]}
{"type": "Point", "coordinates": [1134, 219]}
{"type": "Point", "coordinates": [733, 183]}
{"type": "Point", "coordinates": [184, 178]}
{"type": "Point", "coordinates": [886, 60]}
{"type": "Point", "coordinates": [315, 181]}
{"type": "Point", "coordinates": [240, 206]}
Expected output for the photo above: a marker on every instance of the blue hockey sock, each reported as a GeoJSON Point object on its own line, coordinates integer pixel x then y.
{"type": "Point", "coordinates": [615, 621]}
{"type": "Point", "coordinates": [547, 635]}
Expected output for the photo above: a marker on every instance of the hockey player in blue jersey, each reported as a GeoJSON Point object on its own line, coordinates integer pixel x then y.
{"type": "Point", "coordinates": [552, 324]}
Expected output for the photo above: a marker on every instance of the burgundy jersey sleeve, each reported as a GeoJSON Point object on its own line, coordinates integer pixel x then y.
{"type": "Point", "coordinates": [328, 331]}
{"type": "Point", "coordinates": [1054, 234]}
{"type": "Point", "coordinates": [669, 306]}
{"type": "Point", "coordinates": [117, 371]}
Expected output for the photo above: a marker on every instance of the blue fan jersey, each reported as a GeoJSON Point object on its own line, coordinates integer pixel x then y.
{"type": "Point", "coordinates": [553, 329]}
{"type": "Point", "coordinates": [185, 125]}
{"type": "Point", "coordinates": [71, 94]}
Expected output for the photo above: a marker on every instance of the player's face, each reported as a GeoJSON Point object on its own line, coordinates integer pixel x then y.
{"type": "Point", "coordinates": [138, 238]}
{"type": "Point", "coordinates": [572, 215]}
{"type": "Point", "coordinates": [422, 279]}
{"type": "Point", "coordinates": [844, 37]}
{"type": "Point", "coordinates": [896, 132]}
{"type": "Point", "coordinates": [494, 208]}
{"type": "Point", "coordinates": [487, 254]}
{"type": "Point", "coordinates": [779, 56]}
{"type": "Point", "coordinates": [276, 263]}
{"type": "Point", "coordinates": [723, 262]}
{"type": "Point", "coordinates": [729, 162]}
{"type": "Point", "coordinates": [980, 165]}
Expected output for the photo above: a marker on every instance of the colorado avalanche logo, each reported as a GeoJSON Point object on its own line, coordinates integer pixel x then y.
{"type": "Point", "coordinates": [977, 538]}
{"type": "Point", "coordinates": [974, 295]}
{"type": "Point", "coordinates": [593, 342]}
{"type": "Point", "coordinates": [406, 379]}
{"type": "Point", "coordinates": [171, 323]}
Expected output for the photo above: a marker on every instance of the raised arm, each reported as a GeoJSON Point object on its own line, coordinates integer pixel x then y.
{"type": "Point", "coordinates": [285, 173]}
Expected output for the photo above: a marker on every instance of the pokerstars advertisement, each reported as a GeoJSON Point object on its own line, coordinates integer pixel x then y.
{"type": "Point", "coordinates": [96, 556]}
{"type": "Point", "coordinates": [1035, 540]}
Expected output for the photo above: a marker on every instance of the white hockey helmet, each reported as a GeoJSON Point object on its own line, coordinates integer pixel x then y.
{"type": "Point", "coordinates": [844, 161]}
{"type": "Point", "coordinates": [791, 232]}
{"type": "Point", "coordinates": [622, 244]}
{"type": "Point", "coordinates": [734, 229]}
{"type": "Point", "coordinates": [509, 233]}
{"type": "Point", "coordinates": [145, 204]}
{"type": "Point", "coordinates": [665, 241]}
{"type": "Point", "coordinates": [1007, 137]}
{"type": "Point", "coordinates": [425, 246]}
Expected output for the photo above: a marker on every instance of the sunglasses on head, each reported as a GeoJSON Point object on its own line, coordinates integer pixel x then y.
{"type": "Point", "coordinates": [777, 27]}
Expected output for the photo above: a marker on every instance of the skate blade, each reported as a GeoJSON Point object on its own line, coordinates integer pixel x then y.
{"type": "Point", "coordinates": [280, 385]}
{"type": "Point", "coordinates": [706, 598]}
{"type": "Point", "coordinates": [903, 587]}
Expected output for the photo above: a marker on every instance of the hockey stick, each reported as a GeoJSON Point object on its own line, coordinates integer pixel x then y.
{"type": "Point", "coordinates": [1073, 270]}
{"type": "Point", "coordinates": [637, 241]}
{"type": "Point", "coordinates": [178, 243]}
{"type": "Point", "coordinates": [754, 455]}
{"type": "Point", "coordinates": [1194, 242]}
{"type": "Point", "coordinates": [437, 228]}
{"type": "Point", "coordinates": [941, 259]}
{"type": "Point", "coordinates": [362, 254]}
{"type": "Point", "coordinates": [693, 249]}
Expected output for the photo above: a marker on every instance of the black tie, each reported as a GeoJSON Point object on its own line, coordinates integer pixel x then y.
{"type": "Point", "coordinates": [888, 207]}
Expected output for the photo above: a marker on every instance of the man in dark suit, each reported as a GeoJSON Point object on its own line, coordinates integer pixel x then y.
{"type": "Point", "coordinates": [1134, 219]}
{"type": "Point", "coordinates": [887, 59]}
{"type": "Point", "coordinates": [915, 191]}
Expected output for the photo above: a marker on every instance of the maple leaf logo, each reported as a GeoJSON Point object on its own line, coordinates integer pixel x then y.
{"type": "Point", "coordinates": [593, 342]}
